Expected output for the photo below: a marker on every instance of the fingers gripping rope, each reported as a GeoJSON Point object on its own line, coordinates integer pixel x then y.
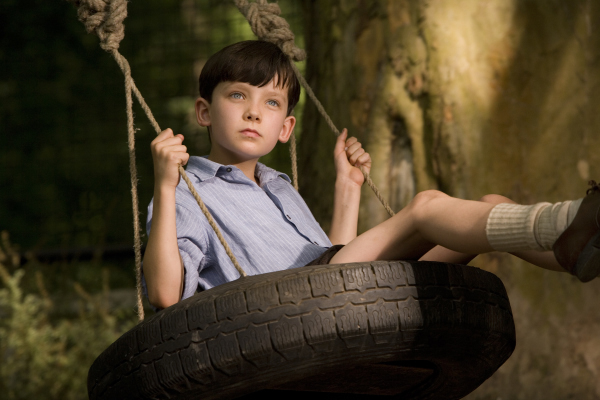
{"type": "Point", "coordinates": [105, 18]}
{"type": "Point", "coordinates": [267, 25]}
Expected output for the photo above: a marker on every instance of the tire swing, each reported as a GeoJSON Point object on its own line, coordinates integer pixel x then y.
{"type": "Point", "coordinates": [410, 330]}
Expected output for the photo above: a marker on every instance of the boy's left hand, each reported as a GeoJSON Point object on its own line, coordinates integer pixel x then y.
{"type": "Point", "coordinates": [349, 156]}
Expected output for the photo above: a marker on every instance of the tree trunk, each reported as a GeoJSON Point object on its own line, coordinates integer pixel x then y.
{"type": "Point", "coordinates": [367, 64]}
{"type": "Point", "coordinates": [471, 97]}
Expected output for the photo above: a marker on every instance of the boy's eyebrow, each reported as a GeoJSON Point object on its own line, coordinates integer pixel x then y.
{"type": "Point", "coordinates": [274, 93]}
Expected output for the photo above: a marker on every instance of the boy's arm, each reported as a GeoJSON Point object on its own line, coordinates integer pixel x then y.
{"type": "Point", "coordinates": [163, 267]}
{"type": "Point", "coordinates": [348, 155]}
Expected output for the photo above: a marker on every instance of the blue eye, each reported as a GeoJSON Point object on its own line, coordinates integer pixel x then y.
{"type": "Point", "coordinates": [273, 103]}
{"type": "Point", "coordinates": [237, 95]}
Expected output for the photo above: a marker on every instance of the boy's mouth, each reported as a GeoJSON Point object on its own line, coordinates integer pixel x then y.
{"type": "Point", "coordinates": [250, 133]}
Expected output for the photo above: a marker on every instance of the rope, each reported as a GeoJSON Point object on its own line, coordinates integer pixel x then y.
{"type": "Point", "coordinates": [267, 25]}
{"type": "Point", "coordinates": [137, 242]}
{"type": "Point", "coordinates": [294, 157]}
{"type": "Point", "coordinates": [105, 19]}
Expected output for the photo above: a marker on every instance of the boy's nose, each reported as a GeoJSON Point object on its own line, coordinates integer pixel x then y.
{"type": "Point", "coordinates": [252, 115]}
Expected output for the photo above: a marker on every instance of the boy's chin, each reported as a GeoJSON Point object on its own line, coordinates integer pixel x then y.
{"type": "Point", "coordinates": [253, 155]}
{"type": "Point", "coordinates": [240, 157]}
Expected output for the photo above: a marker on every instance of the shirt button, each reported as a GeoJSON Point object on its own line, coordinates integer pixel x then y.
{"type": "Point", "coordinates": [228, 170]}
{"type": "Point", "coordinates": [288, 217]}
{"type": "Point", "coordinates": [316, 243]}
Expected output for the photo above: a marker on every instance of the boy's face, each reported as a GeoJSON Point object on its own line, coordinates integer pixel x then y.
{"type": "Point", "coordinates": [246, 121]}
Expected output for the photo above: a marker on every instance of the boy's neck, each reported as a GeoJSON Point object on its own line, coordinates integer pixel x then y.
{"type": "Point", "coordinates": [248, 167]}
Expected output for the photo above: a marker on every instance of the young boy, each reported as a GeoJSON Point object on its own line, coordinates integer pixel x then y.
{"type": "Point", "coordinates": [248, 91]}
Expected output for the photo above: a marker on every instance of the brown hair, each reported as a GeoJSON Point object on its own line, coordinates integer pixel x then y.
{"type": "Point", "coordinates": [253, 61]}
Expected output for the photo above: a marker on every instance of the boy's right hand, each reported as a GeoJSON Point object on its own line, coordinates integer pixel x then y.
{"type": "Point", "coordinates": [168, 153]}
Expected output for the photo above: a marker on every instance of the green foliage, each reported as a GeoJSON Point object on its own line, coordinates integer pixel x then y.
{"type": "Point", "coordinates": [45, 359]}
{"type": "Point", "coordinates": [64, 159]}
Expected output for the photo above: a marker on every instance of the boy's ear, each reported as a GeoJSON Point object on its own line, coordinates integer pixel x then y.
{"type": "Point", "coordinates": [202, 111]}
{"type": "Point", "coordinates": [287, 129]}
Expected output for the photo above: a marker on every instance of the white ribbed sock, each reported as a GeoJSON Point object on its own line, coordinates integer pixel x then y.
{"type": "Point", "coordinates": [514, 227]}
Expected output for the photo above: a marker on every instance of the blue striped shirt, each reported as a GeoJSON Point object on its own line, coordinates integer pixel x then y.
{"type": "Point", "coordinates": [268, 227]}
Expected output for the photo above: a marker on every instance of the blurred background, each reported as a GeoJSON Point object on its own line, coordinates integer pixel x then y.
{"type": "Point", "coordinates": [465, 96]}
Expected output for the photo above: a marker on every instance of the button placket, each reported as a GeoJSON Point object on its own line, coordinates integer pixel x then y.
{"type": "Point", "coordinates": [303, 230]}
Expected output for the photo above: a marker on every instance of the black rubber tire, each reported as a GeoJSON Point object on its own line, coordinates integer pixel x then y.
{"type": "Point", "coordinates": [412, 330]}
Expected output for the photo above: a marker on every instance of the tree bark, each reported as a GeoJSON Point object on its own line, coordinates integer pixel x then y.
{"type": "Point", "coordinates": [367, 64]}
{"type": "Point", "coordinates": [471, 97]}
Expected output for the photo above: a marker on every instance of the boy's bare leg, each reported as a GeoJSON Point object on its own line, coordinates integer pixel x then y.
{"type": "Point", "coordinates": [442, 254]}
{"type": "Point", "coordinates": [543, 259]}
{"type": "Point", "coordinates": [431, 218]}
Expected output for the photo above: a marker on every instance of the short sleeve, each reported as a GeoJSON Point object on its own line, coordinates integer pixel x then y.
{"type": "Point", "coordinates": [192, 257]}
{"type": "Point", "coordinates": [191, 239]}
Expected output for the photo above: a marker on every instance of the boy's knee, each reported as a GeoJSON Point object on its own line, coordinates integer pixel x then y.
{"type": "Point", "coordinates": [423, 199]}
{"type": "Point", "coordinates": [427, 195]}
{"type": "Point", "coordinates": [495, 199]}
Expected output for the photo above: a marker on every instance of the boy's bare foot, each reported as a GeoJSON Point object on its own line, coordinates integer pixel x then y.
{"type": "Point", "coordinates": [577, 249]}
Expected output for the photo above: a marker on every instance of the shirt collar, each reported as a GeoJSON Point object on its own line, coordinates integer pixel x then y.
{"type": "Point", "coordinates": [205, 169]}
{"type": "Point", "coordinates": [266, 174]}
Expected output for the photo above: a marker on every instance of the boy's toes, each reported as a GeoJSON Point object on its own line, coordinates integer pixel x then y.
{"type": "Point", "coordinates": [578, 248]}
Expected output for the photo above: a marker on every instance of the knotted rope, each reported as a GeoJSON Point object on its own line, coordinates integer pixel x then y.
{"type": "Point", "coordinates": [105, 18]}
{"type": "Point", "coordinates": [267, 25]}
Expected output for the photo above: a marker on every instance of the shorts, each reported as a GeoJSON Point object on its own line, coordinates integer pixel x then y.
{"type": "Point", "coordinates": [324, 258]}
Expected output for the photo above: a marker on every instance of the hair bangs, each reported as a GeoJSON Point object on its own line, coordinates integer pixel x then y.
{"type": "Point", "coordinates": [254, 62]}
